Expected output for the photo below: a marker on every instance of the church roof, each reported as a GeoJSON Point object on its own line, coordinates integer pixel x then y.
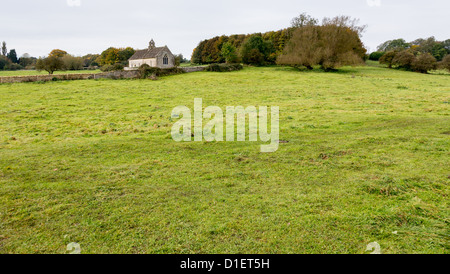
{"type": "Point", "coordinates": [148, 53]}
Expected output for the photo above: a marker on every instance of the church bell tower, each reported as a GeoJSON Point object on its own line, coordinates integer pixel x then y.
{"type": "Point", "coordinates": [151, 44]}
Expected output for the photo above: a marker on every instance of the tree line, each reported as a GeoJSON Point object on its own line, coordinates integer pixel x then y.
{"type": "Point", "coordinates": [256, 49]}
{"type": "Point", "coordinates": [305, 44]}
{"type": "Point", "coordinates": [420, 55]}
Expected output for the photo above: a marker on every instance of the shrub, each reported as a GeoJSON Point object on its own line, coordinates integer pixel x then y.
{"type": "Point", "coordinates": [445, 63]}
{"type": "Point", "coordinates": [4, 61]}
{"type": "Point", "coordinates": [387, 58]}
{"type": "Point", "coordinates": [146, 71]}
{"type": "Point", "coordinates": [115, 67]}
{"type": "Point", "coordinates": [224, 67]}
{"type": "Point", "coordinates": [106, 68]}
{"type": "Point", "coordinates": [13, 66]}
{"type": "Point", "coordinates": [375, 56]}
{"type": "Point", "coordinates": [424, 62]}
{"type": "Point", "coordinates": [72, 62]}
{"type": "Point", "coordinates": [403, 59]}
{"type": "Point", "coordinates": [118, 66]}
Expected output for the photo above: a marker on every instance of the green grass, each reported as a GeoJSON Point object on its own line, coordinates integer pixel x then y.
{"type": "Point", "coordinates": [93, 162]}
{"type": "Point", "coordinates": [35, 72]}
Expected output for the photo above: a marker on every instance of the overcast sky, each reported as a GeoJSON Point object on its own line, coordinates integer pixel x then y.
{"type": "Point", "coordinates": [90, 26]}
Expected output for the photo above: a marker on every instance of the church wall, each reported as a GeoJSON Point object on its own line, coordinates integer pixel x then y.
{"type": "Point", "coordinates": [140, 62]}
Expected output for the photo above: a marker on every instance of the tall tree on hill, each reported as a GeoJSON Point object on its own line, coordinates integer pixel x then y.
{"type": "Point", "coordinates": [12, 55]}
{"type": "Point", "coordinates": [4, 49]}
{"type": "Point", "coordinates": [397, 44]}
{"type": "Point", "coordinates": [303, 20]}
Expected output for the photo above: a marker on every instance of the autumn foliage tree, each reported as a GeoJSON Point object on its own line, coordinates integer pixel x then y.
{"type": "Point", "coordinates": [210, 51]}
{"type": "Point", "coordinates": [334, 44]}
{"type": "Point", "coordinates": [113, 56]}
{"type": "Point", "coordinates": [57, 53]}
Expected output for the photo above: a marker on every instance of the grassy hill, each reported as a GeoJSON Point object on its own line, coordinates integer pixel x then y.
{"type": "Point", "coordinates": [365, 159]}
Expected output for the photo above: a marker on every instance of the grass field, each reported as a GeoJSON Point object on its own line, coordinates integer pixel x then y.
{"type": "Point", "coordinates": [35, 72]}
{"type": "Point", "coordinates": [93, 162]}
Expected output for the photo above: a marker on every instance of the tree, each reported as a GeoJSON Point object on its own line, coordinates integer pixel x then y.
{"type": "Point", "coordinates": [109, 57]}
{"type": "Point", "coordinates": [375, 56]}
{"type": "Point", "coordinates": [403, 59]}
{"type": "Point", "coordinates": [72, 63]}
{"type": "Point", "coordinates": [446, 45]}
{"type": "Point", "coordinates": [178, 59]}
{"type": "Point", "coordinates": [424, 63]}
{"type": "Point", "coordinates": [4, 61]}
{"type": "Point", "coordinates": [196, 57]}
{"type": "Point", "coordinates": [445, 63]}
{"type": "Point", "coordinates": [303, 20]}
{"type": "Point", "coordinates": [89, 60]}
{"type": "Point", "coordinates": [124, 54]}
{"type": "Point", "coordinates": [57, 53]}
{"type": "Point", "coordinates": [392, 45]}
{"type": "Point", "coordinates": [334, 44]}
{"type": "Point", "coordinates": [49, 64]}
{"type": "Point", "coordinates": [438, 51]}
{"type": "Point", "coordinates": [387, 58]}
{"type": "Point", "coordinates": [12, 55]}
{"type": "Point", "coordinates": [4, 49]}
{"type": "Point", "coordinates": [26, 60]}
{"type": "Point", "coordinates": [256, 51]}
{"type": "Point", "coordinates": [229, 53]}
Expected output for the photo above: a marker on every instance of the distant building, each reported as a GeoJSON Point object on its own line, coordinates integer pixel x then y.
{"type": "Point", "coordinates": [160, 57]}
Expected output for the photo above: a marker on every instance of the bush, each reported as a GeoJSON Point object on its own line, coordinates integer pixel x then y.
{"type": "Point", "coordinates": [445, 63]}
{"type": "Point", "coordinates": [106, 68]}
{"type": "Point", "coordinates": [424, 62]}
{"type": "Point", "coordinates": [117, 66]}
{"type": "Point", "coordinates": [375, 56]}
{"type": "Point", "coordinates": [13, 66]}
{"type": "Point", "coordinates": [224, 67]}
{"type": "Point", "coordinates": [387, 58]}
{"type": "Point", "coordinates": [4, 62]}
{"type": "Point", "coordinates": [146, 71]}
{"type": "Point", "coordinates": [72, 62]}
{"type": "Point", "coordinates": [403, 59]}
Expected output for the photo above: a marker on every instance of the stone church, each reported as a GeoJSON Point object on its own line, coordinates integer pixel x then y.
{"type": "Point", "coordinates": [160, 57]}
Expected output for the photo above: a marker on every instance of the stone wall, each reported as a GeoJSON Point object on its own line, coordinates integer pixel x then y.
{"type": "Point", "coordinates": [193, 69]}
{"type": "Point", "coordinates": [85, 76]}
{"type": "Point", "coordinates": [127, 74]}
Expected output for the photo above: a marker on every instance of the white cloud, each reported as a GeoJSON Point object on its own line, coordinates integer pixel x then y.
{"type": "Point", "coordinates": [374, 3]}
{"type": "Point", "coordinates": [74, 3]}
